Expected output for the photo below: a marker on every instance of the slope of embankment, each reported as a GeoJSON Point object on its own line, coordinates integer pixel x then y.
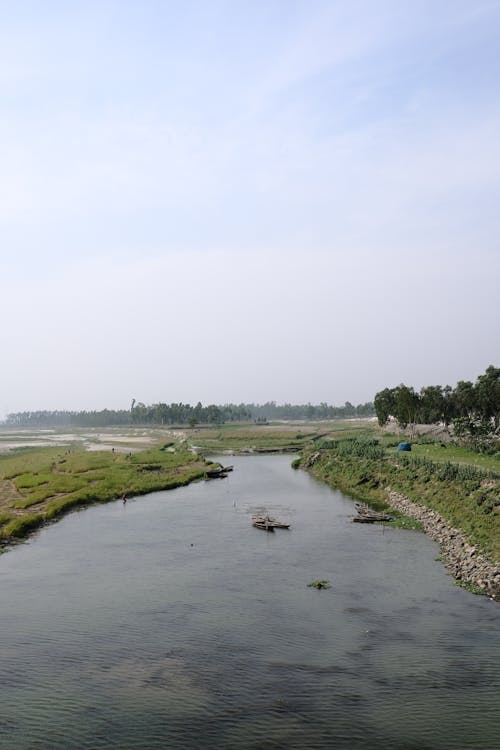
{"type": "Point", "coordinates": [458, 505]}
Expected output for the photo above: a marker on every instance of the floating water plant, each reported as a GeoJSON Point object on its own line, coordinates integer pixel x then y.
{"type": "Point", "coordinates": [320, 584]}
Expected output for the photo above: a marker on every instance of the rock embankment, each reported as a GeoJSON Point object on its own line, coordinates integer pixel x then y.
{"type": "Point", "coordinates": [461, 559]}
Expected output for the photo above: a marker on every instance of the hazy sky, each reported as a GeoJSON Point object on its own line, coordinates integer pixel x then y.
{"type": "Point", "coordinates": [290, 200]}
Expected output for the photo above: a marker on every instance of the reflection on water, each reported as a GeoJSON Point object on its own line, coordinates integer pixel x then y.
{"type": "Point", "coordinates": [172, 623]}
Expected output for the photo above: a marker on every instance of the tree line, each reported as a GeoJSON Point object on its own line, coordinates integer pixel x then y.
{"type": "Point", "coordinates": [272, 410]}
{"type": "Point", "coordinates": [472, 408]}
{"type": "Point", "coordinates": [183, 414]}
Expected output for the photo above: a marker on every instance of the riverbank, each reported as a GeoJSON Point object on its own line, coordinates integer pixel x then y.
{"type": "Point", "coordinates": [44, 474]}
{"type": "Point", "coordinates": [39, 485]}
{"type": "Point", "coordinates": [460, 558]}
{"type": "Point", "coordinates": [457, 505]}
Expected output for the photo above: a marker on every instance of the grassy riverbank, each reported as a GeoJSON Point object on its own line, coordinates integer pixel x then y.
{"type": "Point", "coordinates": [464, 494]}
{"type": "Point", "coordinates": [252, 438]}
{"type": "Point", "coordinates": [38, 485]}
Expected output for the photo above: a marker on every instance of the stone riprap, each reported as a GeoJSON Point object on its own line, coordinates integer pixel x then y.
{"type": "Point", "coordinates": [461, 558]}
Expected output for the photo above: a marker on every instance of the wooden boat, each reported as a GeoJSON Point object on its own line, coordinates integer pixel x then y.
{"type": "Point", "coordinates": [268, 523]}
{"type": "Point", "coordinates": [218, 473]}
{"type": "Point", "coordinates": [367, 515]}
{"type": "Point", "coordinates": [280, 524]}
{"type": "Point", "coordinates": [261, 524]}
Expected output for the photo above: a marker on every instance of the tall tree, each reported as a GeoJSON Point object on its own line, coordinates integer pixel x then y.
{"type": "Point", "coordinates": [385, 405]}
{"type": "Point", "coordinates": [488, 395]}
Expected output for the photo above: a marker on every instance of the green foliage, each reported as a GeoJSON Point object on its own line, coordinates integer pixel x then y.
{"type": "Point", "coordinates": [458, 454]}
{"type": "Point", "coordinates": [358, 447]}
{"type": "Point", "coordinates": [471, 587]}
{"type": "Point", "coordinates": [400, 521]}
{"type": "Point", "coordinates": [76, 462]}
{"type": "Point", "coordinates": [406, 405]}
{"type": "Point", "coordinates": [182, 414]}
{"type": "Point", "coordinates": [385, 405]}
{"type": "Point", "coordinates": [325, 444]}
{"type": "Point", "coordinates": [5, 517]}
{"type": "Point", "coordinates": [476, 432]}
{"type": "Point", "coordinates": [55, 484]}
{"type": "Point", "coordinates": [21, 525]}
{"type": "Point", "coordinates": [57, 507]}
{"type": "Point", "coordinates": [473, 408]}
{"type": "Point", "coordinates": [25, 481]}
{"type": "Point", "coordinates": [320, 584]}
{"type": "Point", "coordinates": [447, 470]}
{"type": "Point", "coordinates": [488, 395]}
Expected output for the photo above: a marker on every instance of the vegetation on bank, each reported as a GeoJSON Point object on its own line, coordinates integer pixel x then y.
{"type": "Point", "coordinates": [466, 496]}
{"type": "Point", "coordinates": [40, 484]}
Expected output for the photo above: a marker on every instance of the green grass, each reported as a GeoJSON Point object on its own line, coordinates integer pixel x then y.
{"type": "Point", "coordinates": [5, 517]}
{"type": "Point", "coordinates": [21, 525]}
{"type": "Point", "coordinates": [57, 480]}
{"type": "Point", "coordinates": [27, 481]}
{"type": "Point", "coordinates": [454, 453]}
{"type": "Point", "coordinates": [29, 461]}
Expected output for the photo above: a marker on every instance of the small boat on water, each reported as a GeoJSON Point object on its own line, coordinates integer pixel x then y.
{"type": "Point", "coordinates": [215, 473]}
{"type": "Point", "coordinates": [261, 524]}
{"type": "Point", "coordinates": [267, 523]}
{"type": "Point", "coordinates": [367, 515]}
{"type": "Point", "coordinates": [280, 524]}
{"type": "Point", "coordinates": [218, 472]}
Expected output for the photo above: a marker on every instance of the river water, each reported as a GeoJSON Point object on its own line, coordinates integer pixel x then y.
{"type": "Point", "coordinates": [171, 622]}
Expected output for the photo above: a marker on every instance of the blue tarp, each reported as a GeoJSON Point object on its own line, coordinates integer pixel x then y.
{"type": "Point", "coordinates": [404, 447]}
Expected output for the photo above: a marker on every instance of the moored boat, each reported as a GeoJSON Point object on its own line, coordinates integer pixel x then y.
{"type": "Point", "coordinates": [263, 524]}
{"type": "Point", "coordinates": [367, 515]}
{"type": "Point", "coordinates": [268, 523]}
{"type": "Point", "coordinates": [218, 473]}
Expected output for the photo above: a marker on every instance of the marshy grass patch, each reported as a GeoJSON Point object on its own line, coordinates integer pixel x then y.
{"type": "Point", "coordinates": [57, 481]}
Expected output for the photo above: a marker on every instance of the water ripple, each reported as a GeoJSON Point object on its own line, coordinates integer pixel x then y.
{"type": "Point", "coordinates": [124, 636]}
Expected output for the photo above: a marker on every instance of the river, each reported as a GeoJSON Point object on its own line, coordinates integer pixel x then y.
{"type": "Point", "coordinates": [171, 622]}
